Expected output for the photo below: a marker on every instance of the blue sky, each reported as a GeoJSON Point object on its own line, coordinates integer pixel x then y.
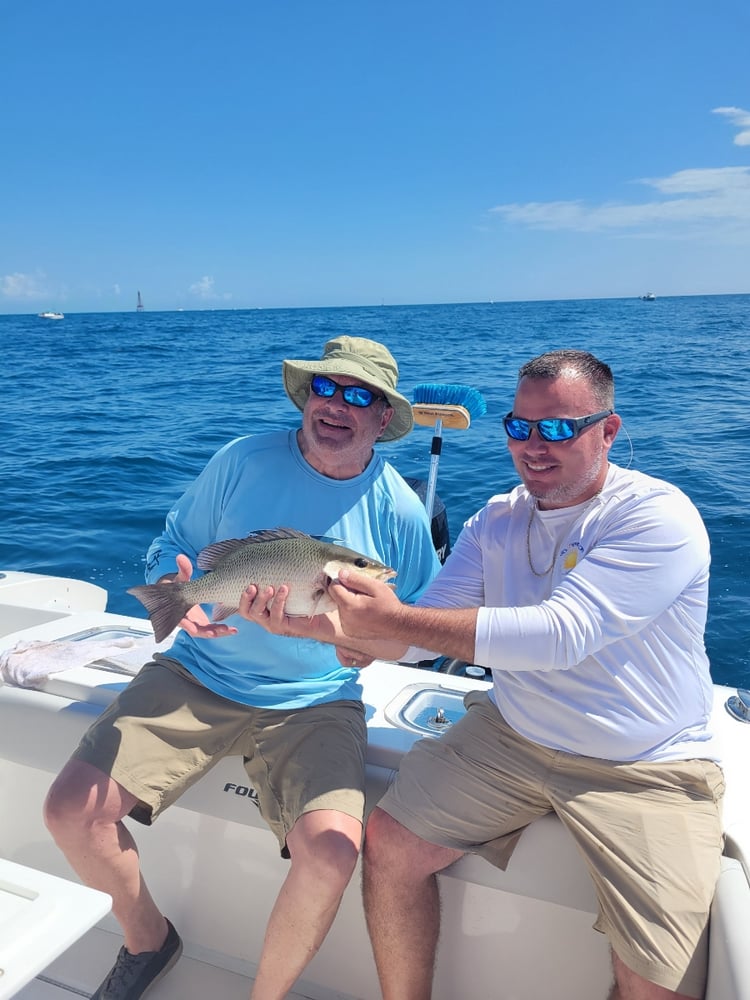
{"type": "Point", "coordinates": [346, 152]}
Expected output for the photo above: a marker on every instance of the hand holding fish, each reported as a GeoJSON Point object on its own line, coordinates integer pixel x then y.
{"type": "Point", "coordinates": [368, 608]}
{"type": "Point", "coordinates": [373, 616]}
{"type": "Point", "coordinates": [196, 622]}
{"type": "Point", "coordinates": [266, 606]}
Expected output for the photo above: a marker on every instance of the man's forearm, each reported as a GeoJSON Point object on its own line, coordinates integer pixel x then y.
{"type": "Point", "coordinates": [446, 631]}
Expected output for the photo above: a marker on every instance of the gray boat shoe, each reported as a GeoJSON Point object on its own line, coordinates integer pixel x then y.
{"type": "Point", "coordinates": [133, 975]}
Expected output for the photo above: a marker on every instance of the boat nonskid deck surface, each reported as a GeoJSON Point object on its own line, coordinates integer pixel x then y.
{"type": "Point", "coordinates": [215, 870]}
{"type": "Point", "coordinates": [191, 977]}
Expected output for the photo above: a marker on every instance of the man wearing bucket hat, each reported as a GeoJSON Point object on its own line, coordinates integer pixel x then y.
{"type": "Point", "coordinates": [324, 478]}
{"type": "Point", "coordinates": [361, 360]}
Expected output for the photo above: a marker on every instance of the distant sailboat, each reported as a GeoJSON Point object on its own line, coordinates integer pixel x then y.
{"type": "Point", "coordinates": [139, 307]}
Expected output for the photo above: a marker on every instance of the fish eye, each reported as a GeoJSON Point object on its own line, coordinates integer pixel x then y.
{"type": "Point", "coordinates": [361, 563]}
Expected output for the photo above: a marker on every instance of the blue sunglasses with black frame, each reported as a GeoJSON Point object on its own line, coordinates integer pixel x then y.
{"type": "Point", "coordinates": [354, 395]}
{"type": "Point", "coordinates": [551, 428]}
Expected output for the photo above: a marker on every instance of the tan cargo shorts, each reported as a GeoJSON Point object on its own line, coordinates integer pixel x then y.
{"type": "Point", "coordinates": [165, 730]}
{"type": "Point", "coordinates": [650, 834]}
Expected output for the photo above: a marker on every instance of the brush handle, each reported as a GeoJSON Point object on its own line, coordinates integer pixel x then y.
{"type": "Point", "coordinates": [437, 444]}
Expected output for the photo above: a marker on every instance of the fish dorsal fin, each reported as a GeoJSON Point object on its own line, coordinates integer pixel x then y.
{"type": "Point", "coordinates": [212, 554]}
{"type": "Point", "coordinates": [274, 534]}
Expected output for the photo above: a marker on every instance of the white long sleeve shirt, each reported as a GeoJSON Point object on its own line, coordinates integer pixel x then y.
{"type": "Point", "coordinates": [603, 655]}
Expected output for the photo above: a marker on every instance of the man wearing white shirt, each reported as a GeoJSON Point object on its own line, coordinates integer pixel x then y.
{"type": "Point", "coordinates": [585, 591]}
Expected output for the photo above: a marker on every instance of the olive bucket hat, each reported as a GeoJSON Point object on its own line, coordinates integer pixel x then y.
{"type": "Point", "coordinates": [358, 358]}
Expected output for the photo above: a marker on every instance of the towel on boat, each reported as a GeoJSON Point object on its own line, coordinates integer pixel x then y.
{"type": "Point", "coordinates": [29, 663]}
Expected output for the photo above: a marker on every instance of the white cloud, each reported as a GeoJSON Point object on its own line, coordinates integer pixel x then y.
{"type": "Point", "coordinates": [690, 201]}
{"type": "Point", "coordinates": [709, 181]}
{"type": "Point", "coordinates": [116, 289]}
{"type": "Point", "coordinates": [740, 118]}
{"type": "Point", "coordinates": [23, 286]}
{"type": "Point", "coordinates": [707, 196]}
{"type": "Point", "coordinates": [204, 289]}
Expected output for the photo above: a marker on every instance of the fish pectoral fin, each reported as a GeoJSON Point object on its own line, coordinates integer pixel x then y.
{"type": "Point", "coordinates": [222, 611]}
{"type": "Point", "coordinates": [319, 597]}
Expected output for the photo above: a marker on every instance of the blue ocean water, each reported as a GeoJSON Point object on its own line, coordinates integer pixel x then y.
{"type": "Point", "coordinates": [108, 416]}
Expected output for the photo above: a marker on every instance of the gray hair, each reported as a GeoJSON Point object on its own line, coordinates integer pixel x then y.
{"type": "Point", "coordinates": [580, 364]}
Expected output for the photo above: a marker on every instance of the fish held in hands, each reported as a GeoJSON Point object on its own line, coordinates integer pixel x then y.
{"type": "Point", "coordinates": [265, 558]}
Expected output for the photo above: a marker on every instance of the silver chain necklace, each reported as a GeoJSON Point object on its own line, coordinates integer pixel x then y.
{"type": "Point", "coordinates": [535, 571]}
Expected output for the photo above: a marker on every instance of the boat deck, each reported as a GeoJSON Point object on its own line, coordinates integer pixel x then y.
{"type": "Point", "coordinates": [79, 971]}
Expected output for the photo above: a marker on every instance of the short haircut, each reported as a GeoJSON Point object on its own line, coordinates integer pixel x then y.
{"type": "Point", "coordinates": [580, 364]}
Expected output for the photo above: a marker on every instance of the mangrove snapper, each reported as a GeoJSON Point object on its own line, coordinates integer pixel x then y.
{"type": "Point", "coordinates": [265, 558]}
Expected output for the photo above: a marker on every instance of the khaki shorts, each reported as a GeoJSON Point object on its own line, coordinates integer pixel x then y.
{"type": "Point", "coordinates": [652, 842]}
{"type": "Point", "coordinates": [166, 730]}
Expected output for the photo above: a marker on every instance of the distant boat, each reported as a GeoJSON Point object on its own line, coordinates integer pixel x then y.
{"type": "Point", "coordinates": [648, 297]}
{"type": "Point", "coordinates": [51, 315]}
{"type": "Point", "coordinates": [139, 307]}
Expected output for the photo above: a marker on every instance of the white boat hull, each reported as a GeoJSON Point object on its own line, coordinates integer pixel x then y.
{"type": "Point", "coordinates": [215, 869]}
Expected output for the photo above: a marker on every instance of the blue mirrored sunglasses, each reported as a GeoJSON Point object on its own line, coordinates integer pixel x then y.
{"type": "Point", "coordinates": [354, 395]}
{"type": "Point", "coordinates": [551, 428]}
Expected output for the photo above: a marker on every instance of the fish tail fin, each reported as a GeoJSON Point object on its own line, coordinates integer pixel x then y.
{"type": "Point", "coordinates": [165, 604]}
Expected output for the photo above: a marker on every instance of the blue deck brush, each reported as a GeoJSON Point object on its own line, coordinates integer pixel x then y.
{"type": "Point", "coordinates": [438, 405]}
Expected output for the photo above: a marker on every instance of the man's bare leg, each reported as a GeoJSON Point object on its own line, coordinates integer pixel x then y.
{"type": "Point", "coordinates": [629, 986]}
{"type": "Point", "coordinates": [84, 812]}
{"type": "Point", "coordinates": [324, 846]}
{"type": "Point", "coordinates": [402, 905]}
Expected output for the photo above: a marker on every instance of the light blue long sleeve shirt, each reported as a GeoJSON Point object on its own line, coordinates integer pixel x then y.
{"type": "Point", "coordinates": [264, 481]}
